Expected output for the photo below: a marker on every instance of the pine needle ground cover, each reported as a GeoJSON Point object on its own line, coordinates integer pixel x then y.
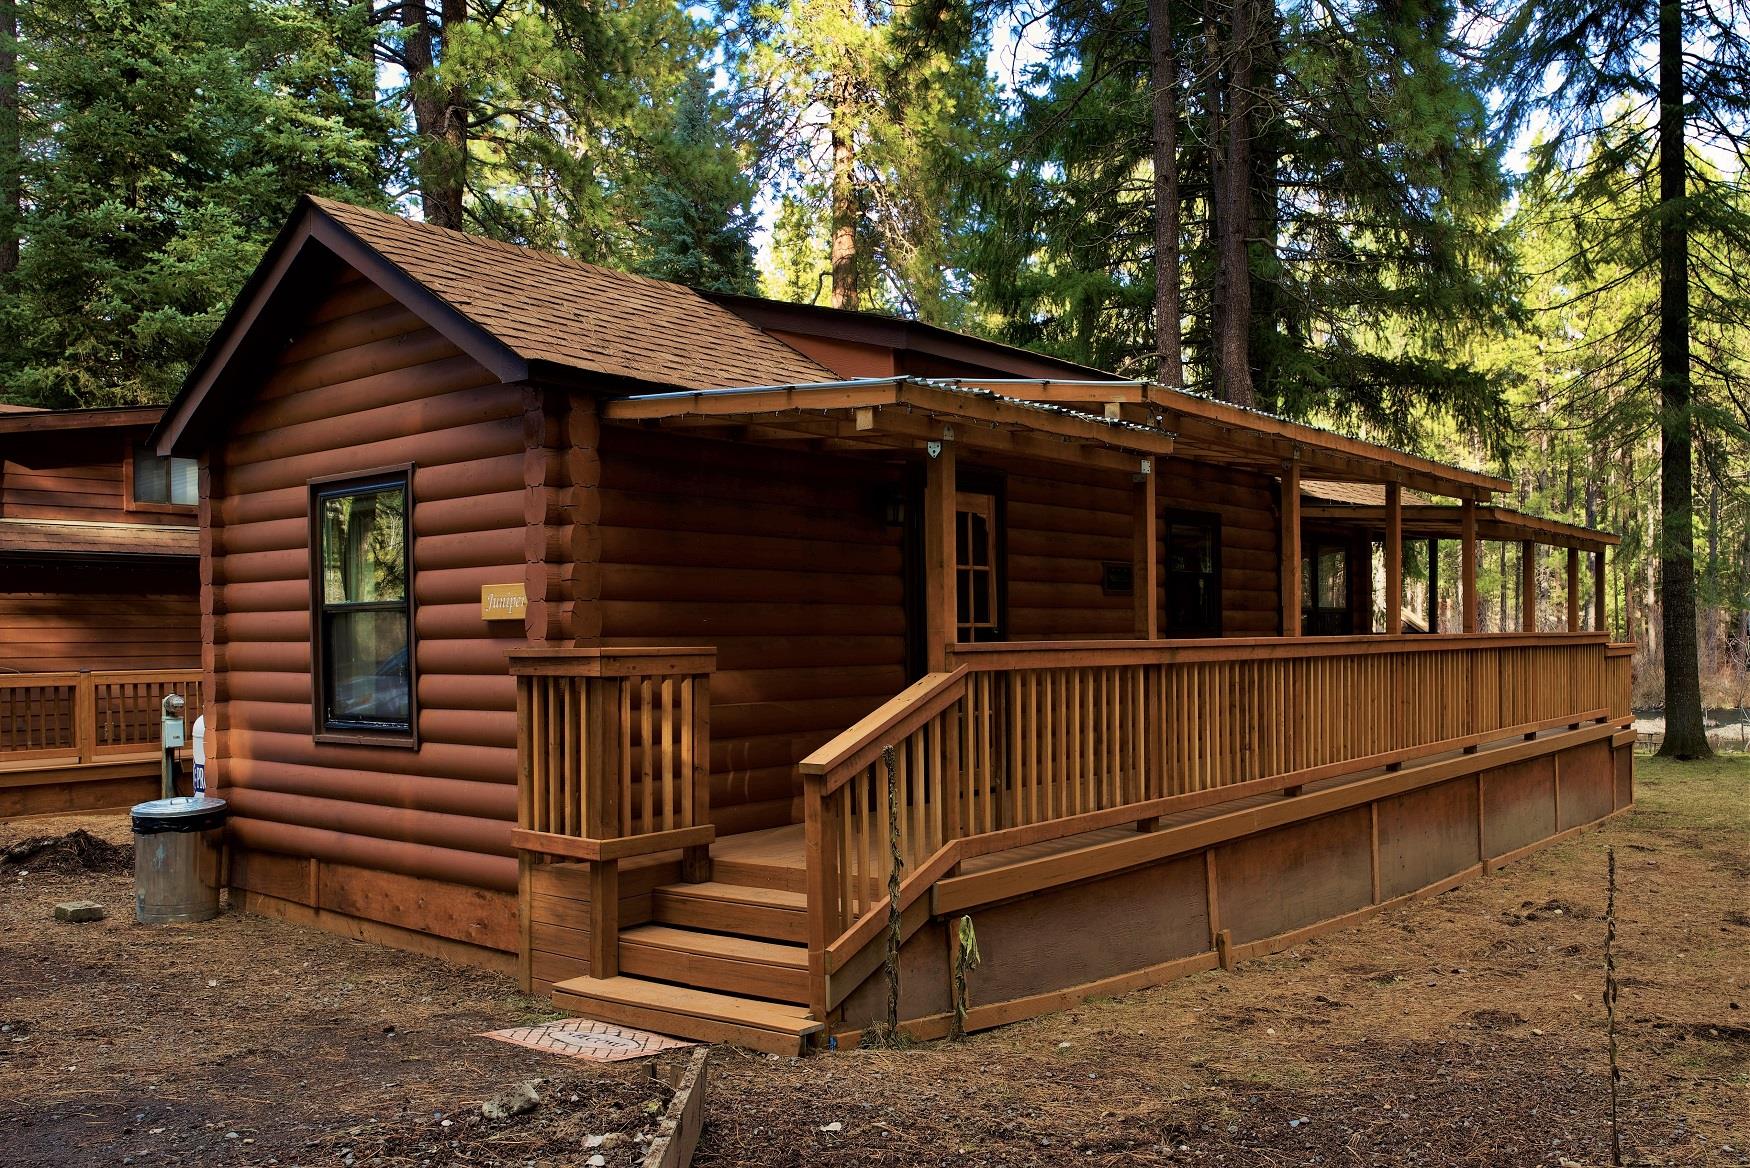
{"type": "Point", "coordinates": [1463, 1030]}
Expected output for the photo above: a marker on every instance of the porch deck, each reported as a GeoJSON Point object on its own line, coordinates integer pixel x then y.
{"type": "Point", "coordinates": [84, 741]}
{"type": "Point", "coordinates": [1108, 817]}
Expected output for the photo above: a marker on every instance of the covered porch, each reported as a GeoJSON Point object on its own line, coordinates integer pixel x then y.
{"type": "Point", "coordinates": [1293, 780]}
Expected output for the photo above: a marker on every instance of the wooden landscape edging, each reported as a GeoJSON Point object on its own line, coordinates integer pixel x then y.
{"type": "Point", "coordinates": [678, 1132]}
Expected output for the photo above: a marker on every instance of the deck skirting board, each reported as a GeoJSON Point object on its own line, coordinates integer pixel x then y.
{"type": "Point", "coordinates": [375, 932]}
{"type": "Point", "coordinates": [1138, 912]}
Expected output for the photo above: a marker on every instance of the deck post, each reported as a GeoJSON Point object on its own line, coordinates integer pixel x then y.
{"type": "Point", "coordinates": [601, 815]}
{"type": "Point", "coordinates": [1290, 541]}
{"type": "Point", "coordinates": [940, 517]}
{"type": "Point", "coordinates": [1598, 593]}
{"type": "Point", "coordinates": [1467, 568]}
{"type": "Point", "coordinates": [1528, 585]}
{"type": "Point", "coordinates": [1394, 560]}
{"type": "Point", "coordinates": [85, 717]}
{"type": "Point", "coordinates": [1145, 582]}
{"type": "Point", "coordinates": [1573, 590]}
{"type": "Point", "coordinates": [1433, 585]}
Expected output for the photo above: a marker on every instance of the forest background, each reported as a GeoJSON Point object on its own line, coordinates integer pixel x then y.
{"type": "Point", "coordinates": [1508, 233]}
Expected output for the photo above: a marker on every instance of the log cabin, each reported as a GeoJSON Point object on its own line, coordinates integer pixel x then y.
{"type": "Point", "coordinates": [666, 649]}
{"type": "Point", "coordinates": [99, 605]}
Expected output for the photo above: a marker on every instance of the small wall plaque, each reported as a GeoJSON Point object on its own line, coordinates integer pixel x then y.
{"type": "Point", "coordinates": [503, 602]}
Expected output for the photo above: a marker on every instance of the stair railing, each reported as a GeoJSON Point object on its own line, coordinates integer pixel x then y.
{"type": "Point", "coordinates": [613, 762]}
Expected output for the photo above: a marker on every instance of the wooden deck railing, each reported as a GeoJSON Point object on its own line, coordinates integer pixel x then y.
{"type": "Point", "coordinates": [1021, 743]}
{"type": "Point", "coordinates": [56, 718]}
{"type": "Point", "coordinates": [614, 749]}
{"type": "Point", "coordinates": [1619, 661]}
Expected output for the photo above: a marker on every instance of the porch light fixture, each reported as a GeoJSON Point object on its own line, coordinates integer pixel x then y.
{"type": "Point", "coordinates": [893, 508]}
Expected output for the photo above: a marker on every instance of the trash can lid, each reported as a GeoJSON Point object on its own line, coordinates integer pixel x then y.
{"type": "Point", "coordinates": [178, 807]}
{"type": "Point", "coordinates": [179, 813]}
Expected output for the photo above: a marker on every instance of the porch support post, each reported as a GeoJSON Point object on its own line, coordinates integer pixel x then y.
{"type": "Point", "coordinates": [1433, 585]}
{"type": "Point", "coordinates": [939, 549]}
{"type": "Point", "coordinates": [1394, 559]}
{"type": "Point", "coordinates": [1573, 590]}
{"type": "Point", "coordinates": [1145, 574]}
{"type": "Point", "coordinates": [1467, 568]}
{"type": "Point", "coordinates": [1598, 593]}
{"type": "Point", "coordinates": [1528, 585]}
{"type": "Point", "coordinates": [1290, 549]}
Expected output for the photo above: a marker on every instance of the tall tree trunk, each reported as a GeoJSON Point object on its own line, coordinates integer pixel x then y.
{"type": "Point", "coordinates": [1164, 79]}
{"type": "Point", "coordinates": [11, 157]}
{"type": "Point", "coordinates": [440, 115]}
{"type": "Point", "coordinates": [1233, 265]}
{"type": "Point", "coordinates": [1685, 735]}
{"type": "Point", "coordinates": [844, 202]}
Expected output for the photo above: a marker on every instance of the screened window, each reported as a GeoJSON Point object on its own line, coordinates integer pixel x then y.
{"type": "Point", "coordinates": [165, 480]}
{"type": "Point", "coordinates": [365, 616]}
{"type": "Point", "coordinates": [1192, 574]}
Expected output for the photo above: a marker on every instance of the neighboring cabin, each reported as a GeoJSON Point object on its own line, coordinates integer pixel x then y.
{"type": "Point", "coordinates": [99, 575]}
{"type": "Point", "coordinates": [99, 543]}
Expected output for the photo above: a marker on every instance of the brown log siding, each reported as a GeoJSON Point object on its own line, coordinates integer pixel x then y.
{"type": "Point", "coordinates": [366, 384]}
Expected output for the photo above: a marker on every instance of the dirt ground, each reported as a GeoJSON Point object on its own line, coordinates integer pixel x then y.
{"type": "Point", "coordinates": [1463, 1030]}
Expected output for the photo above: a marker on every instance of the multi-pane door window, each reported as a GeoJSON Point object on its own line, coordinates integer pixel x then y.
{"type": "Point", "coordinates": [1192, 572]}
{"type": "Point", "coordinates": [975, 568]}
{"type": "Point", "coordinates": [364, 612]}
{"type": "Point", "coordinates": [1324, 590]}
{"type": "Point", "coordinates": [157, 479]}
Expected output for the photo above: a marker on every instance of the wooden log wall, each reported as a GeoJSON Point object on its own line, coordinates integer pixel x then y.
{"type": "Point", "coordinates": [780, 559]}
{"type": "Point", "coordinates": [74, 474]}
{"type": "Point", "coordinates": [67, 619]}
{"type": "Point", "coordinates": [365, 384]}
{"type": "Point", "coordinates": [1064, 522]}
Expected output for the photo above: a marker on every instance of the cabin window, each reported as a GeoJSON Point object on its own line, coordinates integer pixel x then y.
{"type": "Point", "coordinates": [1192, 575]}
{"type": "Point", "coordinates": [363, 588]}
{"type": "Point", "coordinates": [157, 479]}
{"type": "Point", "coordinates": [975, 568]}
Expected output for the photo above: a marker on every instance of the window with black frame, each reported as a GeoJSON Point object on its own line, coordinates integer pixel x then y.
{"type": "Point", "coordinates": [1192, 572]}
{"type": "Point", "coordinates": [365, 625]}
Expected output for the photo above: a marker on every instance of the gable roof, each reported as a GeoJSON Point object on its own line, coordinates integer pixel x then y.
{"type": "Point", "coordinates": [549, 308]}
{"type": "Point", "coordinates": [520, 312]}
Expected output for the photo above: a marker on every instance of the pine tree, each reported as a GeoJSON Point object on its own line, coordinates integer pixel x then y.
{"type": "Point", "coordinates": [162, 147]}
{"type": "Point", "coordinates": [1615, 84]}
{"type": "Point", "coordinates": [1338, 208]}
{"type": "Point", "coordinates": [694, 214]}
{"type": "Point", "coordinates": [868, 113]}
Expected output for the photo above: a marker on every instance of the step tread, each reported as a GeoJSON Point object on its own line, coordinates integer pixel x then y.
{"type": "Point", "coordinates": [776, 898]}
{"type": "Point", "coordinates": [673, 999]}
{"type": "Point", "coordinates": [716, 945]}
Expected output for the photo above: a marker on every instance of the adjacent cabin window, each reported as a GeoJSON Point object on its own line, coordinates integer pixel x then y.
{"type": "Point", "coordinates": [170, 481]}
{"type": "Point", "coordinates": [1324, 590]}
{"type": "Point", "coordinates": [1192, 575]}
{"type": "Point", "coordinates": [364, 615]}
{"type": "Point", "coordinates": [975, 568]}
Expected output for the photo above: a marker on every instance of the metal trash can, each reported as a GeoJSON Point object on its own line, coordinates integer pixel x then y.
{"type": "Point", "coordinates": [176, 859]}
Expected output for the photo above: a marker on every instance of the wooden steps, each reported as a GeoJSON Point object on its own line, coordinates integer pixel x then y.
{"type": "Point", "coordinates": [736, 965]}
{"type": "Point", "coordinates": [688, 1013]}
{"type": "Point", "coordinates": [773, 914]}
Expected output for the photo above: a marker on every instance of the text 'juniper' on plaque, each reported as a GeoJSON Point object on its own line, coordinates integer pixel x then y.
{"type": "Point", "coordinates": [503, 602]}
